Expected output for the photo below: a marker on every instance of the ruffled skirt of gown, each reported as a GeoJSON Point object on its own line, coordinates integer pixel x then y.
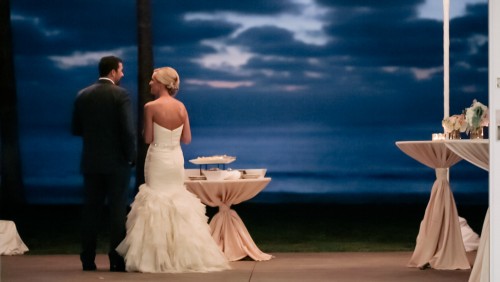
{"type": "Point", "coordinates": [167, 229]}
{"type": "Point", "coordinates": [169, 233]}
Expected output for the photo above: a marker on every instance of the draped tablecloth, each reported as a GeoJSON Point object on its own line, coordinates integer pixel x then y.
{"type": "Point", "coordinates": [439, 241]}
{"type": "Point", "coordinates": [477, 152]}
{"type": "Point", "coordinates": [228, 229]}
{"type": "Point", "coordinates": [10, 241]}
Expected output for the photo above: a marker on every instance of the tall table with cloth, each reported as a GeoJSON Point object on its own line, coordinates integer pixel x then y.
{"type": "Point", "coordinates": [477, 153]}
{"type": "Point", "coordinates": [228, 229]}
{"type": "Point", "coordinates": [439, 241]}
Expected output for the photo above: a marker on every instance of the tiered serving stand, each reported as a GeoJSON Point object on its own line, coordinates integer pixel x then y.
{"type": "Point", "coordinates": [216, 160]}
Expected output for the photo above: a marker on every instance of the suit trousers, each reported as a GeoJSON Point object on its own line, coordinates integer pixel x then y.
{"type": "Point", "coordinates": [99, 187]}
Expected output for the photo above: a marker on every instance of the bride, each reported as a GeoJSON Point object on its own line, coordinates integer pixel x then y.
{"type": "Point", "coordinates": [167, 228]}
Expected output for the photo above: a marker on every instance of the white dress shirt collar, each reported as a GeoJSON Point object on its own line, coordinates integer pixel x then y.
{"type": "Point", "coordinates": [105, 78]}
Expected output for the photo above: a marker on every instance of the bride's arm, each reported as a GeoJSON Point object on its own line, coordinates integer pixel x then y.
{"type": "Point", "coordinates": [148, 124]}
{"type": "Point", "coordinates": [186, 131]}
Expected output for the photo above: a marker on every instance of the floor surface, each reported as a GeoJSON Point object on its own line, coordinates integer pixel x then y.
{"type": "Point", "coordinates": [337, 266]}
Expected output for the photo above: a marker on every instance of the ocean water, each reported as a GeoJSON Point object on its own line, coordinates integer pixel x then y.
{"type": "Point", "coordinates": [306, 163]}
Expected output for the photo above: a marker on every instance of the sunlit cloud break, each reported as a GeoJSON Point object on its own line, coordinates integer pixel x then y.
{"type": "Point", "coordinates": [423, 74]}
{"type": "Point", "coordinates": [227, 58]}
{"type": "Point", "coordinates": [306, 26]}
{"type": "Point", "coordinates": [83, 59]}
{"type": "Point", "coordinates": [433, 9]}
{"type": "Point", "coordinates": [220, 83]}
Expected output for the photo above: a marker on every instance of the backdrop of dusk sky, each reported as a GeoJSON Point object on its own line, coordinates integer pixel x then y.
{"type": "Point", "coordinates": [328, 64]}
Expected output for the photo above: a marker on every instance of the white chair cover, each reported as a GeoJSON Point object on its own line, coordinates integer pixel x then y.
{"type": "Point", "coordinates": [10, 241]}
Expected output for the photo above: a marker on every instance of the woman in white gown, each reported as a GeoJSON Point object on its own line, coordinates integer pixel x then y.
{"type": "Point", "coordinates": [167, 229]}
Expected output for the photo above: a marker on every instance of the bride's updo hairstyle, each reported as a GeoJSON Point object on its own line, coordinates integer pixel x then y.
{"type": "Point", "coordinates": [168, 77]}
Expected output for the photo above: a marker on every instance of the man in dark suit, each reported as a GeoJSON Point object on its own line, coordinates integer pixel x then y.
{"type": "Point", "coordinates": [102, 115]}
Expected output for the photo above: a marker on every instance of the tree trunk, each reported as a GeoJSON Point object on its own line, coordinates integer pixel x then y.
{"type": "Point", "coordinates": [11, 189]}
{"type": "Point", "coordinates": [145, 69]}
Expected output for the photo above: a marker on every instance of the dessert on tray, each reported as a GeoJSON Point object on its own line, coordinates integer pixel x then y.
{"type": "Point", "coordinates": [217, 159]}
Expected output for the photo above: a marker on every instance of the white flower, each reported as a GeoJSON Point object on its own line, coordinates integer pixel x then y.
{"type": "Point", "coordinates": [476, 115]}
{"type": "Point", "coordinates": [454, 122]}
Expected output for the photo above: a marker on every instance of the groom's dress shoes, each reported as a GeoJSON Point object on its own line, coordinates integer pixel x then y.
{"type": "Point", "coordinates": [89, 266]}
{"type": "Point", "coordinates": [117, 268]}
{"type": "Point", "coordinates": [87, 260]}
{"type": "Point", "coordinates": [116, 262]}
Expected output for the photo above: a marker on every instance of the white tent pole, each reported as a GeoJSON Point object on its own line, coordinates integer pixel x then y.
{"type": "Point", "coordinates": [446, 56]}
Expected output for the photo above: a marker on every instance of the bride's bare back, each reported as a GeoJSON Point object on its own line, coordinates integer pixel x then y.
{"type": "Point", "coordinates": [169, 113]}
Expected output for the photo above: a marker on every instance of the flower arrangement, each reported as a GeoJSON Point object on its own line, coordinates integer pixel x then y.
{"type": "Point", "coordinates": [476, 116]}
{"type": "Point", "coordinates": [454, 122]}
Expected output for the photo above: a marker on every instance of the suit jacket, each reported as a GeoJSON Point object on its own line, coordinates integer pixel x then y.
{"type": "Point", "coordinates": [102, 115]}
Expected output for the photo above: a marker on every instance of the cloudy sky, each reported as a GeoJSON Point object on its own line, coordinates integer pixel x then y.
{"type": "Point", "coordinates": [351, 58]}
{"type": "Point", "coordinates": [334, 63]}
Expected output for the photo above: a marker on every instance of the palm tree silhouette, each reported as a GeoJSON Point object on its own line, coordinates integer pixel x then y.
{"type": "Point", "coordinates": [145, 68]}
{"type": "Point", "coordinates": [11, 187]}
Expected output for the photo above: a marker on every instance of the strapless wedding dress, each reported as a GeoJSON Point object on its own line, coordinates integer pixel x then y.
{"type": "Point", "coordinates": [167, 229]}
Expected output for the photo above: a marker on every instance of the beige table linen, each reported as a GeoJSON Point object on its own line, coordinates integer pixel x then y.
{"type": "Point", "coordinates": [439, 241]}
{"type": "Point", "coordinates": [477, 152]}
{"type": "Point", "coordinates": [10, 241]}
{"type": "Point", "coordinates": [228, 229]}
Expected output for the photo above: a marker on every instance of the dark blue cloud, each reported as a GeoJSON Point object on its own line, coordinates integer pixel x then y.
{"type": "Point", "coordinates": [474, 22]}
{"type": "Point", "coordinates": [386, 4]}
{"type": "Point", "coordinates": [269, 40]}
{"type": "Point", "coordinates": [167, 8]}
{"type": "Point", "coordinates": [469, 38]}
{"type": "Point", "coordinates": [386, 35]}
{"type": "Point", "coordinates": [187, 32]}
{"type": "Point", "coordinates": [67, 26]}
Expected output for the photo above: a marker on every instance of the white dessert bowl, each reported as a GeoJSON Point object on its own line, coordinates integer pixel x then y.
{"type": "Point", "coordinates": [233, 175]}
{"type": "Point", "coordinates": [254, 173]}
{"type": "Point", "coordinates": [215, 175]}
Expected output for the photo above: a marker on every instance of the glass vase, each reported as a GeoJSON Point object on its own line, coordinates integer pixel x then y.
{"type": "Point", "coordinates": [454, 135]}
{"type": "Point", "coordinates": [476, 133]}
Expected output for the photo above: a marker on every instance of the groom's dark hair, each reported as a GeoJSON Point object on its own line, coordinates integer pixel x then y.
{"type": "Point", "coordinates": [107, 64]}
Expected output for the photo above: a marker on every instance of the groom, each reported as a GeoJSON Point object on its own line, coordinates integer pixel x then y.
{"type": "Point", "coordinates": [102, 116]}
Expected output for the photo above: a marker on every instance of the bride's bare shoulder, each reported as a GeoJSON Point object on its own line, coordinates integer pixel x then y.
{"type": "Point", "coordinates": [149, 104]}
{"type": "Point", "coordinates": [153, 104]}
